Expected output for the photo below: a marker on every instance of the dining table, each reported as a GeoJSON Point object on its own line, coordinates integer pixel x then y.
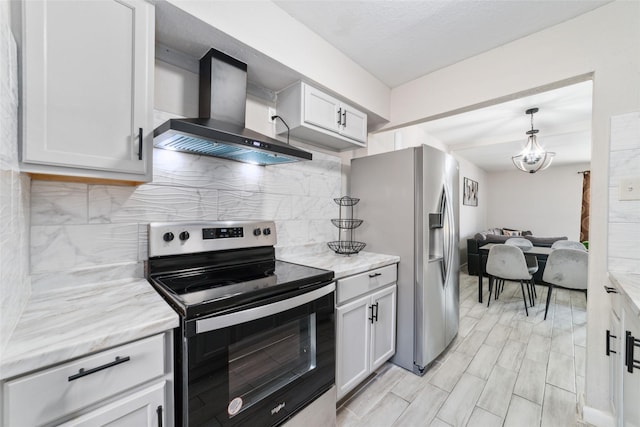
{"type": "Point", "coordinates": [541, 253]}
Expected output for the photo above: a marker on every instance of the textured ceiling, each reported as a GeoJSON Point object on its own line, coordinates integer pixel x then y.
{"type": "Point", "coordinates": [398, 41]}
{"type": "Point", "coordinates": [488, 137]}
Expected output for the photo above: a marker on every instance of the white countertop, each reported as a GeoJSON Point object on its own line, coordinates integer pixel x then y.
{"type": "Point", "coordinates": [64, 324]}
{"type": "Point", "coordinates": [342, 265]}
{"type": "Point", "coordinates": [629, 285]}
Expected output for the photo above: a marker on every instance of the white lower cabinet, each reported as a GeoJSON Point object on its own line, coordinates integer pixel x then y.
{"type": "Point", "coordinates": [614, 351]}
{"type": "Point", "coordinates": [366, 325]}
{"type": "Point", "coordinates": [623, 349]}
{"type": "Point", "coordinates": [383, 328]}
{"type": "Point", "coordinates": [145, 408]}
{"type": "Point", "coordinates": [631, 369]}
{"type": "Point", "coordinates": [128, 385]}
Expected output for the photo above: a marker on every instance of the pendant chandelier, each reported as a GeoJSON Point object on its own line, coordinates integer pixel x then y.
{"type": "Point", "coordinates": [533, 157]}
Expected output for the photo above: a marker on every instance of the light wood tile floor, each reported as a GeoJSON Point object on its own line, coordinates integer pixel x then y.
{"type": "Point", "coordinates": [503, 369]}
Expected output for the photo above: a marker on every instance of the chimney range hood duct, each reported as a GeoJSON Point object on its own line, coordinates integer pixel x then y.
{"type": "Point", "coordinates": [220, 131]}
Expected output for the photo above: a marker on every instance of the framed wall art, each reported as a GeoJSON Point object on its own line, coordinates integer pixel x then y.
{"type": "Point", "coordinates": [470, 192]}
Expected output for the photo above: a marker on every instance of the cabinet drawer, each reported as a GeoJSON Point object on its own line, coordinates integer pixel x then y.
{"type": "Point", "coordinates": [363, 283]}
{"type": "Point", "coordinates": [53, 393]}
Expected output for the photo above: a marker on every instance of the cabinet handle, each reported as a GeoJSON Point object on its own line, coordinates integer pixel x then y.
{"type": "Point", "coordinates": [608, 347]}
{"type": "Point", "coordinates": [375, 275]}
{"type": "Point", "coordinates": [631, 342]}
{"type": "Point", "coordinates": [371, 318]}
{"type": "Point", "coordinates": [140, 144]}
{"type": "Point", "coordinates": [83, 373]}
{"type": "Point", "coordinates": [610, 290]}
{"type": "Point", "coordinates": [344, 117]}
{"type": "Point", "coordinates": [159, 412]}
{"type": "Point", "coordinates": [339, 116]}
{"type": "Point", "coordinates": [375, 316]}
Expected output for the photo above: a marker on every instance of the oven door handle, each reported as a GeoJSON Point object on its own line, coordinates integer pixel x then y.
{"type": "Point", "coordinates": [239, 317]}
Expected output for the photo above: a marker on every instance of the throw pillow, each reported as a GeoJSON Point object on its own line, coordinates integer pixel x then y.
{"type": "Point", "coordinates": [511, 233]}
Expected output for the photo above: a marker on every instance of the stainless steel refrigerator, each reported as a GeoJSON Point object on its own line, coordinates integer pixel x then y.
{"type": "Point", "coordinates": [409, 204]}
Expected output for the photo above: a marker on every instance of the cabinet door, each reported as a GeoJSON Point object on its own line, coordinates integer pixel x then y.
{"type": "Point", "coordinates": [615, 363]}
{"type": "Point", "coordinates": [141, 409]}
{"type": "Point", "coordinates": [352, 344]}
{"type": "Point", "coordinates": [383, 329]}
{"type": "Point", "coordinates": [82, 383]}
{"type": "Point", "coordinates": [631, 381]}
{"type": "Point", "coordinates": [88, 84]}
{"type": "Point", "coordinates": [321, 109]}
{"type": "Point", "coordinates": [354, 123]}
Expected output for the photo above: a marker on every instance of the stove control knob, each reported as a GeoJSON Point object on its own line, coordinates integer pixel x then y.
{"type": "Point", "coordinates": [266, 231]}
{"type": "Point", "coordinates": [184, 235]}
{"type": "Point", "coordinates": [168, 236]}
{"type": "Point", "coordinates": [257, 232]}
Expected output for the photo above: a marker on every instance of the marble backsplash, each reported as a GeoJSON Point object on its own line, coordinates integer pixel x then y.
{"type": "Point", "coordinates": [624, 216]}
{"type": "Point", "coordinates": [83, 233]}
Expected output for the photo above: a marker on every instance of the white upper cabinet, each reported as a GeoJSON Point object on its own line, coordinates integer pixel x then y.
{"type": "Point", "coordinates": [320, 119]}
{"type": "Point", "coordinates": [87, 88]}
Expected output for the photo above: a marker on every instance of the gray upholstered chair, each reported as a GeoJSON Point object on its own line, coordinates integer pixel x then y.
{"type": "Point", "coordinates": [507, 262]}
{"type": "Point", "coordinates": [567, 268]}
{"type": "Point", "coordinates": [519, 242]}
{"type": "Point", "coordinates": [568, 244]}
{"type": "Point", "coordinates": [532, 262]}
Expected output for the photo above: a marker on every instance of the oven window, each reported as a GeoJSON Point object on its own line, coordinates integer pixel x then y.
{"type": "Point", "coordinates": [262, 363]}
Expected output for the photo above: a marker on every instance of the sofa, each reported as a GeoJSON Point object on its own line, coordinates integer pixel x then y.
{"type": "Point", "coordinates": [500, 235]}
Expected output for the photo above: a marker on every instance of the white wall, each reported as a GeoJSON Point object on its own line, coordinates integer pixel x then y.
{"type": "Point", "coordinates": [547, 203]}
{"type": "Point", "coordinates": [473, 219]}
{"type": "Point", "coordinates": [14, 191]}
{"type": "Point", "coordinates": [604, 42]}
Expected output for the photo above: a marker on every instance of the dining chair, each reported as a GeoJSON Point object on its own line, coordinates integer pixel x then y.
{"type": "Point", "coordinates": [567, 268]}
{"type": "Point", "coordinates": [532, 263]}
{"type": "Point", "coordinates": [506, 262]}
{"type": "Point", "coordinates": [568, 244]}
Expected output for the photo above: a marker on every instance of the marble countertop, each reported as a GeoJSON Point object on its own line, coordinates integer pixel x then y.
{"type": "Point", "coordinates": [629, 285]}
{"type": "Point", "coordinates": [342, 265]}
{"type": "Point", "coordinates": [64, 324]}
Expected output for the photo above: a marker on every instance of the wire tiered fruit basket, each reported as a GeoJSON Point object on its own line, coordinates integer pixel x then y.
{"type": "Point", "coordinates": [346, 244]}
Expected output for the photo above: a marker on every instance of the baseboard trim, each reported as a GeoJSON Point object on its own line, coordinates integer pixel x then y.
{"type": "Point", "coordinates": [597, 417]}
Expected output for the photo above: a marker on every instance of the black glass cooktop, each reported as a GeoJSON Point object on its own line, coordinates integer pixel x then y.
{"type": "Point", "coordinates": [199, 291]}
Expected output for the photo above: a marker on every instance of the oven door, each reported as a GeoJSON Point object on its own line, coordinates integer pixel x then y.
{"type": "Point", "coordinates": [259, 365]}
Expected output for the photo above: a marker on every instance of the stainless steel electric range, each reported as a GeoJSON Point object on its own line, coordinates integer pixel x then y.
{"type": "Point", "coordinates": [256, 341]}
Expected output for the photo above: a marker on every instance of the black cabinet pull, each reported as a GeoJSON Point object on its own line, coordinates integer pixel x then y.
{"type": "Point", "coordinates": [610, 290]}
{"type": "Point", "coordinates": [631, 342]}
{"type": "Point", "coordinates": [140, 144]}
{"type": "Point", "coordinates": [608, 346]}
{"type": "Point", "coordinates": [83, 373]}
{"type": "Point", "coordinates": [375, 275]}
{"type": "Point", "coordinates": [159, 412]}
{"type": "Point", "coordinates": [375, 316]}
{"type": "Point", "coordinates": [371, 318]}
{"type": "Point", "coordinates": [344, 117]}
{"type": "Point", "coordinates": [339, 116]}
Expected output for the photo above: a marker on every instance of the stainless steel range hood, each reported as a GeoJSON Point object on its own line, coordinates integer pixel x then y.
{"type": "Point", "coordinates": [220, 131]}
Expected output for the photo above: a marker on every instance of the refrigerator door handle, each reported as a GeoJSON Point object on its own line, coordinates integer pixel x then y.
{"type": "Point", "coordinates": [446, 240]}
